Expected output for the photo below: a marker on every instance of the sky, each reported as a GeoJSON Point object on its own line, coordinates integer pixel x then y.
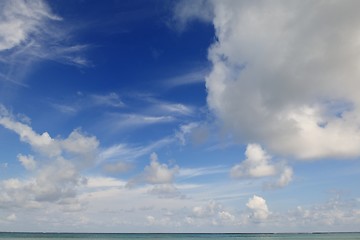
{"type": "Point", "coordinates": [179, 116]}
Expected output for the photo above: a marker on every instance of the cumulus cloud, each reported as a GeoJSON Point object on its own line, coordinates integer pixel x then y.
{"type": "Point", "coordinates": [285, 74]}
{"type": "Point", "coordinates": [56, 174]}
{"type": "Point", "coordinates": [28, 162]}
{"type": "Point", "coordinates": [210, 209]}
{"type": "Point", "coordinates": [160, 176]}
{"type": "Point", "coordinates": [157, 173]}
{"type": "Point", "coordinates": [336, 213]}
{"type": "Point", "coordinates": [258, 207]}
{"type": "Point", "coordinates": [83, 148]}
{"type": "Point", "coordinates": [259, 164]}
{"type": "Point", "coordinates": [211, 213]}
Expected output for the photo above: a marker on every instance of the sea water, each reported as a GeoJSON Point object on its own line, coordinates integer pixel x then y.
{"type": "Point", "coordinates": [163, 236]}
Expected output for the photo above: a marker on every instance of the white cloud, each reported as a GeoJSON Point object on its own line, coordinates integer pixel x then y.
{"type": "Point", "coordinates": [256, 164]}
{"type": "Point", "coordinates": [27, 161]}
{"type": "Point", "coordinates": [40, 142]}
{"type": "Point", "coordinates": [104, 182]}
{"type": "Point", "coordinates": [82, 147]}
{"type": "Point", "coordinates": [112, 99]}
{"type": "Point", "coordinates": [11, 218]}
{"type": "Point", "coordinates": [56, 175]}
{"type": "Point", "coordinates": [157, 173]}
{"type": "Point", "coordinates": [226, 216]}
{"type": "Point", "coordinates": [56, 181]}
{"type": "Point", "coordinates": [184, 131]}
{"type": "Point", "coordinates": [283, 77]}
{"type": "Point", "coordinates": [20, 19]}
{"type": "Point", "coordinates": [118, 167]}
{"type": "Point", "coordinates": [160, 176]}
{"type": "Point", "coordinates": [334, 214]}
{"type": "Point", "coordinates": [209, 210]}
{"type": "Point", "coordinates": [259, 164]}
{"type": "Point", "coordinates": [187, 11]}
{"type": "Point", "coordinates": [126, 121]}
{"type": "Point", "coordinates": [197, 76]}
{"type": "Point", "coordinates": [126, 152]}
{"type": "Point", "coordinates": [176, 108]}
{"type": "Point", "coordinates": [166, 190]}
{"type": "Point", "coordinates": [285, 177]}
{"type": "Point", "coordinates": [259, 208]}
{"type": "Point", "coordinates": [151, 220]}
{"type": "Point", "coordinates": [29, 32]}
{"type": "Point", "coordinates": [212, 213]}
{"type": "Point", "coordinates": [84, 101]}
{"type": "Point", "coordinates": [186, 173]}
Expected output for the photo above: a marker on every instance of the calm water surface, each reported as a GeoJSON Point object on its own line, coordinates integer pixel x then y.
{"type": "Point", "coordinates": [283, 236]}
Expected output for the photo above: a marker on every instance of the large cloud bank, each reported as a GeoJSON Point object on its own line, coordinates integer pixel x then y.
{"type": "Point", "coordinates": [286, 73]}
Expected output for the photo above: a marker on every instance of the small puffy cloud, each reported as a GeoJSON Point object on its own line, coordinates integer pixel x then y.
{"type": "Point", "coordinates": [157, 173]}
{"type": "Point", "coordinates": [333, 214]}
{"type": "Point", "coordinates": [211, 209]}
{"type": "Point", "coordinates": [226, 216]}
{"type": "Point", "coordinates": [259, 208]}
{"type": "Point", "coordinates": [211, 213]}
{"type": "Point", "coordinates": [160, 176]}
{"type": "Point", "coordinates": [11, 218]}
{"type": "Point", "coordinates": [285, 178]}
{"type": "Point", "coordinates": [151, 220]}
{"type": "Point", "coordinates": [28, 162]}
{"type": "Point", "coordinates": [259, 164]}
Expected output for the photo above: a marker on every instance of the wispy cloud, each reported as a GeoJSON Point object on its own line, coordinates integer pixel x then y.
{"type": "Point", "coordinates": [30, 32]}
{"type": "Point", "coordinates": [120, 121]}
{"type": "Point", "coordinates": [126, 152]}
{"type": "Point", "coordinates": [187, 173]}
{"type": "Point", "coordinates": [193, 77]}
{"type": "Point", "coordinates": [83, 101]}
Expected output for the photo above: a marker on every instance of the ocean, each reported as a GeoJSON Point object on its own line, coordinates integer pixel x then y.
{"type": "Point", "coordinates": [178, 236]}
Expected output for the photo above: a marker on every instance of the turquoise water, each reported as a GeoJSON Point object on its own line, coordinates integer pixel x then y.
{"type": "Point", "coordinates": [123, 236]}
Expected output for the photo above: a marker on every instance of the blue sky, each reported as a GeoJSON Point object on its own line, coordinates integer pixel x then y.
{"type": "Point", "coordinates": [179, 116]}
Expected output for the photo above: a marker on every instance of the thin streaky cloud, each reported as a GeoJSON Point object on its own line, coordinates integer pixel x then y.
{"type": "Point", "coordinates": [194, 77]}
